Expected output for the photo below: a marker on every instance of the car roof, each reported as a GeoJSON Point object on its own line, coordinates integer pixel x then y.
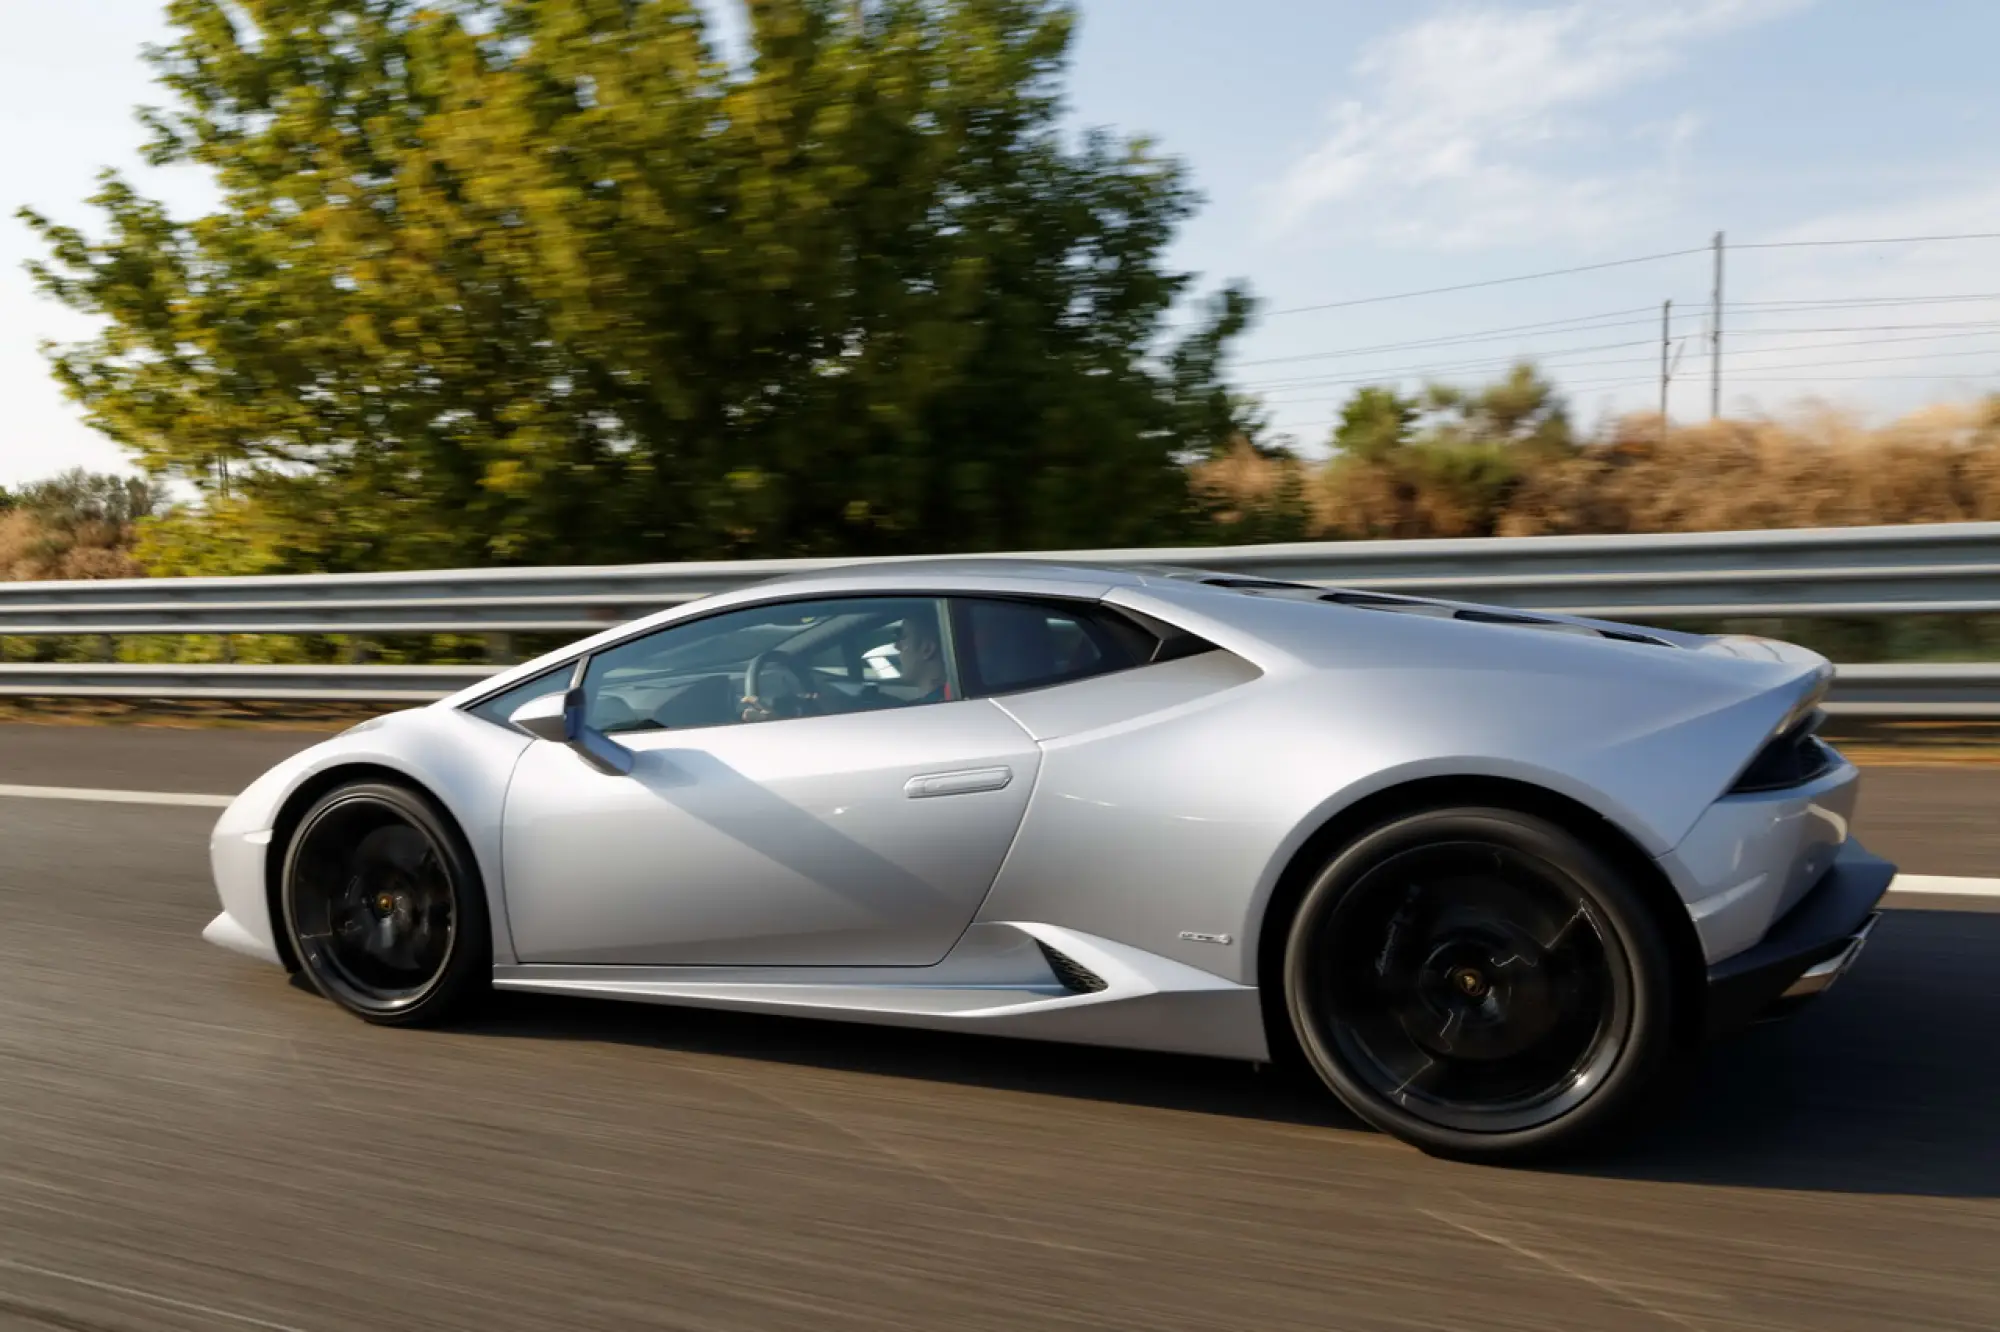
{"type": "Point", "coordinates": [920, 575]}
{"type": "Point", "coordinates": [891, 573]}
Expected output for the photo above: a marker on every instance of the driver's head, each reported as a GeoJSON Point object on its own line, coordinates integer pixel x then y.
{"type": "Point", "coordinates": [919, 649]}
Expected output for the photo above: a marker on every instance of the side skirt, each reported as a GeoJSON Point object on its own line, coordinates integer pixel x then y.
{"type": "Point", "coordinates": [1023, 979]}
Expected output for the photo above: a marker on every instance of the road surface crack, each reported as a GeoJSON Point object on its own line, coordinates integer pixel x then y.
{"type": "Point", "coordinates": [1617, 1290]}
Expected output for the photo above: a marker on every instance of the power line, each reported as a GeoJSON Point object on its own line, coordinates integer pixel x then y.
{"type": "Point", "coordinates": [1489, 282]}
{"type": "Point", "coordinates": [1544, 357]}
{"type": "Point", "coordinates": [1860, 379]}
{"type": "Point", "coordinates": [1986, 332]}
{"type": "Point", "coordinates": [1792, 365]}
{"type": "Point", "coordinates": [1575, 324]}
{"type": "Point", "coordinates": [1579, 324]}
{"type": "Point", "coordinates": [1869, 328]}
{"type": "Point", "coordinates": [1626, 263]}
{"type": "Point", "coordinates": [1859, 301]}
{"type": "Point", "coordinates": [1880, 240]}
{"type": "Point", "coordinates": [1878, 360]}
{"type": "Point", "coordinates": [1473, 364]}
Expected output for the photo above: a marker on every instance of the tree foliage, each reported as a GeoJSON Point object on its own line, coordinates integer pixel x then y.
{"type": "Point", "coordinates": [1446, 462]}
{"type": "Point", "coordinates": [1375, 424]}
{"type": "Point", "coordinates": [546, 280]}
{"type": "Point", "coordinates": [76, 525]}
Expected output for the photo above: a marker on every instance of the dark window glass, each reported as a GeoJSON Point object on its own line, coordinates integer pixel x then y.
{"type": "Point", "coordinates": [1007, 646]}
{"type": "Point", "coordinates": [501, 706]}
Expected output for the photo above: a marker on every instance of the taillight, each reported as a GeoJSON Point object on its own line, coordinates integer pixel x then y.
{"type": "Point", "coordinates": [1793, 758]}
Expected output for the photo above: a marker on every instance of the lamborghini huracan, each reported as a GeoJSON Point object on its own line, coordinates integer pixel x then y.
{"type": "Point", "coordinates": [1492, 876]}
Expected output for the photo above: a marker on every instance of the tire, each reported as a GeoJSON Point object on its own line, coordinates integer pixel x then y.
{"type": "Point", "coordinates": [385, 908]}
{"type": "Point", "coordinates": [1481, 984]}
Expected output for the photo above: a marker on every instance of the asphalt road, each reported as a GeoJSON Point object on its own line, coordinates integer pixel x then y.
{"type": "Point", "coordinates": [188, 1141]}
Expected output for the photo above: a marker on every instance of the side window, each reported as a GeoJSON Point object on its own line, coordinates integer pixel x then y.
{"type": "Point", "coordinates": [501, 706]}
{"type": "Point", "coordinates": [776, 661]}
{"type": "Point", "coordinates": [1008, 645]}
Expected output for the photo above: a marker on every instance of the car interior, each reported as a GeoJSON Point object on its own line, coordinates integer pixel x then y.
{"type": "Point", "coordinates": [810, 664]}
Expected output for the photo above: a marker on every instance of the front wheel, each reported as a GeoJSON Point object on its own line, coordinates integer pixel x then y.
{"type": "Point", "coordinates": [384, 906]}
{"type": "Point", "coordinates": [1480, 983]}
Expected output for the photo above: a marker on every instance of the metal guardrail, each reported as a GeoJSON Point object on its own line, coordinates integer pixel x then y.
{"type": "Point", "coordinates": [1948, 691]}
{"type": "Point", "coordinates": [403, 685]}
{"type": "Point", "coordinates": [1879, 691]}
{"type": "Point", "coordinates": [1950, 569]}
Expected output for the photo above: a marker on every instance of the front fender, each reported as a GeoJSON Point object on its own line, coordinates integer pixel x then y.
{"type": "Point", "coordinates": [461, 761]}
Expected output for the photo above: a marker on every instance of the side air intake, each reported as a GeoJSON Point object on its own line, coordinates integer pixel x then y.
{"type": "Point", "coordinates": [1075, 977]}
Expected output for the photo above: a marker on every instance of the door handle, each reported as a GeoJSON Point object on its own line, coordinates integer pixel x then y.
{"type": "Point", "coordinates": [963, 782]}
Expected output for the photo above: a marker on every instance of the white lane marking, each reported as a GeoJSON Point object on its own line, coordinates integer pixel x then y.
{"type": "Point", "coordinates": [132, 1292]}
{"type": "Point", "coordinates": [1944, 884]}
{"type": "Point", "coordinates": [117, 797]}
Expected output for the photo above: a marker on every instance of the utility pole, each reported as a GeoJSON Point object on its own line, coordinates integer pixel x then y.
{"type": "Point", "coordinates": [1715, 338]}
{"type": "Point", "coordinates": [1666, 371]}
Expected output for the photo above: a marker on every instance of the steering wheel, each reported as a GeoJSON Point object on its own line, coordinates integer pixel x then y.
{"type": "Point", "coordinates": [773, 686]}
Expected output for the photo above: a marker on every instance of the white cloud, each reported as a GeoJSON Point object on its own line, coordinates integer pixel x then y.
{"type": "Point", "coordinates": [1448, 146]}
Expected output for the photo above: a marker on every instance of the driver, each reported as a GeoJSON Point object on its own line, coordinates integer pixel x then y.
{"type": "Point", "coordinates": [919, 665]}
{"type": "Point", "coordinates": [920, 657]}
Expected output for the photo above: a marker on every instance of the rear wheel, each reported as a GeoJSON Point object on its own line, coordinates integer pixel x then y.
{"type": "Point", "coordinates": [384, 906]}
{"type": "Point", "coordinates": [1481, 984]}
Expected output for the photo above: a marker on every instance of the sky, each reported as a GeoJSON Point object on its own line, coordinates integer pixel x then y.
{"type": "Point", "coordinates": [1352, 150]}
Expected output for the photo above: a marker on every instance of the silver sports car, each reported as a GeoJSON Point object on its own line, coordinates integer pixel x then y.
{"type": "Point", "coordinates": [1490, 875]}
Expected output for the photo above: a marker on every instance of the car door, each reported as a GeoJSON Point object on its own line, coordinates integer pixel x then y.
{"type": "Point", "coordinates": [862, 829]}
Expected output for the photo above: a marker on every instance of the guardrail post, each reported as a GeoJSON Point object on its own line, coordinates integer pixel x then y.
{"type": "Point", "coordinates": [500, 649]}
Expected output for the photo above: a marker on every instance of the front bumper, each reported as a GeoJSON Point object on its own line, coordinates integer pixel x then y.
{"type": "Point", "coordinates": [1808, 949]}
{"type": "Point", "coordinates": [236, 859]}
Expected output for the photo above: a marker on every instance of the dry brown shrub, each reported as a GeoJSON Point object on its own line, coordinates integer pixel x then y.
{"type": "Point", "coordinates": [97, 562]}
{"type": "Point", "coordinates": [1239, 481]}
{"type": "Point", "coordinates": [20, 545]}
{"type": "Point", "coordinates": [29, 551]}
{"type": "Point", "coordinates": [1365, 500]}
{"type": "Point", "coordinates": [1819, 469]}
{"type": "Point", "coordinates": [1244, 489]}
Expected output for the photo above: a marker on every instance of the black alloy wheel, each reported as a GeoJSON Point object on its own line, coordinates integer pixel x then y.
{"type": "Point", "coordinates": [1480, 983]}
{"type": "Point", "coordinates": [384, 906]}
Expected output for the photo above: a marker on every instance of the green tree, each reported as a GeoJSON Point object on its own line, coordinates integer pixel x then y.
{"type": "Point", "coordinates": [1522, 409]}
{"type": "Point", "coordinates": [1446, 462]}
{"type": "Point", "coordinates": [1374, 424]}
{"type": "Point", "coordinates": [1474, 448]}
{"type": "Point", "coordinates": [542, 280]}
{"type": "Point", "coordinates": [78, 498]}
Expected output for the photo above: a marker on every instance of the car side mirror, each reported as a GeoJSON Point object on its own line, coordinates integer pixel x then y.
{"type": "Point", "coordinates": [545, 718]}
{"type": "Point", "coordinates": [560, 718]}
